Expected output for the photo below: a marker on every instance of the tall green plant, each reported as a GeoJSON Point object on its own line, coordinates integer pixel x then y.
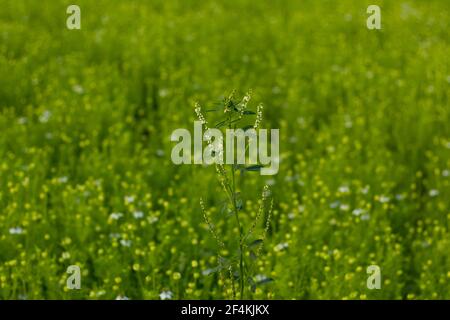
{"type": "Point", "coordinates": [248, 249]}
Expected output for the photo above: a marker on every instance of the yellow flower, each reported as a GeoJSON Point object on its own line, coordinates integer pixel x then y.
{"type": "Point", "coordinates": [136, 267]}
{"type": "Point", "coordinates": [176, 276]}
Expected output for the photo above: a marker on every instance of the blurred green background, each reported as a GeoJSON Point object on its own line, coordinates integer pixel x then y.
{"type": "Point", "coordinates": [86, 116]}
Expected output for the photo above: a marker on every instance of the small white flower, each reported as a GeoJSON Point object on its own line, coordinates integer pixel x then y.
{"type": "Point", "coordinates": [207, 272]}
{"type": "Point", "coordinates": [166, 295]}
{"type": "Point", "coordinates": [22, 120]}
{"type": "Point", "coordinates": [116, 215]}
{"type": "Point", "coordinates": [270, 182]}
{"type": "Point", "coordinates": [335, 204]}
{"type": "Point", "coordinates": [65, 255]}
{"type": "Point", "coordinates": [45, 116]}
{"type": "Point", "coordinates": [384, 199]}
{"type": "Point", "coordinates": [152, 219]}
{"type": "Point", "coordinates": [160, 153]}
{"type": "Point", "coordinates": [399, 197]}
{"type": "Point", "coordinates": [259, 115]}
{"type": "Point", "coordinates": [445, 173]}
{"type": "Point", "coordinates": [138, 214]}
{"type": "Point", "coordinates": [78, 89]}
{"type": "Point", "coordinates": [122, 298]}
{"type": "Point", "coordinates": [63, 179]}
{"type": "Point", "coordinates": [344, 189]}
{"type": "Point", "coordinates": [125, 243]}
{"type": "Point", "coordinates": [16, 230]}
{"type": "Point", "coordinates": [261, 277]}
{"type": "Point", "coordinates": [344, 207]}
{"type": "Point", "coordinates": [281, 246]}
{"type": "Point", "coordinates": [291, 215]}
{"type": "Point", "coordinates": [433, 193]}
{"type": "Point", "coordinates": [365, 190]}
{"type": "Point", "coordinates": [129, 199]}
{"type": "Point", "coordinates": [365, 217]}
{"type": "Point", "coordinates": [100, 293]}
{"type": "Point", "coordinates": [357, 212]}
{"type": "Point", "coordinates": [266, 192]}
{"type": "Point", "coordinates": [201, 118]}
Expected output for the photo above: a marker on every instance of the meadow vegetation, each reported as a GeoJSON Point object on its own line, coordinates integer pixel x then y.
{"type": "Point", "coordinates": [86, 176]}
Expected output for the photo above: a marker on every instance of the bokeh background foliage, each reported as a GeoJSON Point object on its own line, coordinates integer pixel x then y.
{"type": "Point", "coordinates": [85, 170]}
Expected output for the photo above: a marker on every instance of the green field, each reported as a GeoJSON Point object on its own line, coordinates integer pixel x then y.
{"type": "Point", "coordinates": [86, 176]}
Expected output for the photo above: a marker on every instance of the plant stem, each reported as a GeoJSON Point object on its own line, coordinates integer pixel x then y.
{"type": "Point", "coordinates": [241, 247]}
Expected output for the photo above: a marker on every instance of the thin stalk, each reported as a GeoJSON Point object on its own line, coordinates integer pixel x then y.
{"type": "Point", "coordinates": [241, 247]}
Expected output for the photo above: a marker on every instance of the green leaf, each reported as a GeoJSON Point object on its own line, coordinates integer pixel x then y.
{"type": "Point", "coordinates": [221, 123]}
{"type": "Point", "coordinates": [247, 127]}
{"type": "Point", "coordinates": [208, 272]}
{"type": "Point", "coordinates": [248, 112]}
{"type": "Point", "coordinates": [255, 243]}
{"type": "Point", "coordinates": [239, 204]}
{"type": "Point", "coordinates": [264, 281]}
{"type": "Point", "coordinates": [256, 167]}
